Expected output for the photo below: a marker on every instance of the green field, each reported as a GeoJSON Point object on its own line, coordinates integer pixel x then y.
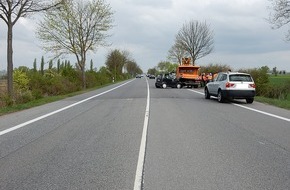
{"type": "Point", "coordinates": [279, 79]}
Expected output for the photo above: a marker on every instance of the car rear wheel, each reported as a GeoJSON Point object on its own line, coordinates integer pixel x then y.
{"type": "Point", "coordinates": [178, 86]}
{"type": "Point", "coordinates": [164, 85]}
{"type": "Point", "coordinates": [250, 100]}
{"type": "Point", "coordinates": [206, 93]}
{"type": "Point", "coordinates": [220, 97]}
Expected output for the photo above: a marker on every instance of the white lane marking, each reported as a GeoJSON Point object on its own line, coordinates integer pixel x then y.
{"type": "Point", "coordinates": [262, 112]}
{"type": "Point", "coordinates": [140, 165]}
{"type": "Point", "coordinates": [196, 92]}
{"type": "Point", "coordinates": [57, 111]}
{"type": "Point", "coordinates": [252, 109]}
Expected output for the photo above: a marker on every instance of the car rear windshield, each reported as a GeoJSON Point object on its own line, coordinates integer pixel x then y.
{"type": "Point", "coordinates": [239, 77]}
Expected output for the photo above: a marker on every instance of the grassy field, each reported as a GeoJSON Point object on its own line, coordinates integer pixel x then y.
{"type": "Point", "coordinates": [277, 80]}
{"type": "Point", "coordinates": [281, 80]}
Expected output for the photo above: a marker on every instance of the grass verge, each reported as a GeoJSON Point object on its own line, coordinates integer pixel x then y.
{"type": "Point", "coordinates": [42, 101]}
{"type": "Point", "coordinates": [275, 102]}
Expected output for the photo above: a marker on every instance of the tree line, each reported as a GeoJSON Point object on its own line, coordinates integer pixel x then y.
{"type": "Point", "coordinates": [68, 27]}
{"type": "Point", "coordinates": [62, 77]}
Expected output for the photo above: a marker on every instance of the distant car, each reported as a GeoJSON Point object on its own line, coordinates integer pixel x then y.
{"type": "Point", "coordinates": [231, 85]}
{"type": "Point", "coordinates": [166, 80]}
{"type": "Point", "coordinates": [151, 76]}
{"type": "Point", "coordinates": [138, 76]}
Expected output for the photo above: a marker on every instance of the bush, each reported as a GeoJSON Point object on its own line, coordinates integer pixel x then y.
{"type": "Point", "coordinates": [214, 68]}
{"type": "Point", "coordinates": [22, 97]}
{"type": "Point", "coordinates": [276, 92]}
{"type": "Point", "coordinates": [20, 80]}
{"type": "Point", "coordinates": [31, 84]}
{"type": "Point", "coordinates": [261, 79]}
{"type": "Point", "coordinates": [37, 94]}
{"type": "Point", "coordinates": [6, 100]}
{"type": "Point", "coordinates": [91, 79]}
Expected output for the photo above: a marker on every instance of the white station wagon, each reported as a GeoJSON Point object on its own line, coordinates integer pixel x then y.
{"type": "Point", "coordinates": [231, 85]}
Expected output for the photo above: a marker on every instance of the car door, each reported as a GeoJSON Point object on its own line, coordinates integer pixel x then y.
{"type": "Point", "coordinates": [213, 86]}
{"type": "Point", "coordinates": [166, 79]}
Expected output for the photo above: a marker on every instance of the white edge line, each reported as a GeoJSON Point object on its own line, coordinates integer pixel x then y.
{"type": "Point", "coordinates": [140, 165]}
{"type": "Point", "coordinates": [57, 111]}
{"type": "Point", "coordinates": [262, 112]}
{"type": "Point", "coordinates": [252, 109]}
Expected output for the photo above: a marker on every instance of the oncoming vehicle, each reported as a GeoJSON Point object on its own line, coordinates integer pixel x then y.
{"type": "Point", "coordinates": [167, 80]}
{"type": "Point", "coordinates": [231, 85]}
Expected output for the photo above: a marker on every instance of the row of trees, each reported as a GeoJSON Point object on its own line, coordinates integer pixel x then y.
{"type": "Point", "coordinates": [69, 27]}
{"type": "Point", "coordinates": [10, 12]}
{"type": "Point", "coordinates": [62, 77]}
{"type": "Point", "coordinates": [76, 27]}
{"type": "Point", "coordinates": [118, 61]}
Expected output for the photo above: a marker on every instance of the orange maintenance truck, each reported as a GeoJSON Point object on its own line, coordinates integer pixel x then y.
{"type": "Point", "coordinates": [188, 74]}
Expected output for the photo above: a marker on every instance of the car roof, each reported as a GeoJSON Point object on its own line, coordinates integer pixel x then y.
{"type": "Point", "coordinates": [232, 73]}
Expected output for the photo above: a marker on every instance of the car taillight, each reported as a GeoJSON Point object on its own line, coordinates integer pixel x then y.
{"type": "Point", "coordinates": [229, 85]}
{"type": "Point", "coordinates": [252, 86]}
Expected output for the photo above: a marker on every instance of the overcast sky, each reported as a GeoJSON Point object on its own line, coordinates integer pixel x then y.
{"type": "Point", "coordinates": [147, 29]}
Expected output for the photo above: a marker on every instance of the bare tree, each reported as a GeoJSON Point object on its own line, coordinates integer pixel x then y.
{"type": "Point", "coordinates": [196, 39]}
{"type": "Point", "coordinates": [280, 15]}
{"type": "Point", "coordinates": [76, 28]}
{"type": "Point", "coordinates": [176, 53]}
{"type": "Point", "coordinates": [10, 12]}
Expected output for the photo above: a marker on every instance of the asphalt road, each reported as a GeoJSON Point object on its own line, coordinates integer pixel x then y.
{"type": "Point", "coordinates": [94, 141]}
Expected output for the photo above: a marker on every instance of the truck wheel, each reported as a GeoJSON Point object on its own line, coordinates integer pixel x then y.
{"type": "Point", "coordinates": [220, 97]}
{"type": "Point", "coordinates": [164, 85]}
{"type": "Point", "coordinates": [206, 94]}
{"type": "Point", "coordinates": [178, 86]}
